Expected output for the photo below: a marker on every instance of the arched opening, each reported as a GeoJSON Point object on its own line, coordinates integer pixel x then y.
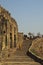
{"type": "Point", "coordinates": [10, 40]}
{"type": "Point", "coordinates": [14, 40]}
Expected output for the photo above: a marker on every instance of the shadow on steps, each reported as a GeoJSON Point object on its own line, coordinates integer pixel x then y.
{"type": "Point", "coordinates": [35, 58]}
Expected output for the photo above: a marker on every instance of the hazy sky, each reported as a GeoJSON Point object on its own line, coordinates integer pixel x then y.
{"type": "Point", "coordinates": [28, 14]}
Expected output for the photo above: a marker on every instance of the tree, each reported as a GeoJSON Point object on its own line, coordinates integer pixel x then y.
{"type": "Point", "coordinates": [25, 36]}
{"type": "Point", "coordinates": [30, 35]}
{"type": "Point", "coordinates": [38, 34]}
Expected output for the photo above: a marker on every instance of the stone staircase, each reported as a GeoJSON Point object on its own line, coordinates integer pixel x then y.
{"type": "Point", "coordinates": [19, 57]}
{"type": "Point", "coordinates": [19, 60]}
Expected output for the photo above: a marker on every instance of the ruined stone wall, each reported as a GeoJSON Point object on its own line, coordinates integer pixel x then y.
{"type": "Point", "coordinates": [20, 40]}
{"type": "Point", "coordinates": [9, 29]}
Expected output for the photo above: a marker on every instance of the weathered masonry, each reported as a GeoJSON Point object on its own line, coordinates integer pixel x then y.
{"type": "Point", "coordinates": [8, 30]}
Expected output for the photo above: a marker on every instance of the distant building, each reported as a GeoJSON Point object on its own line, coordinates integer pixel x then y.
{"type": "Point", "coordinates": [8, 30]}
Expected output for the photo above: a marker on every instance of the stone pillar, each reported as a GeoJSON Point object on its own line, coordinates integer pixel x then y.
{"type": "Point", "coordinates": [12, 36]}
{"type": "Point", "coordinates": [16, 37]}
{"type": "Point", "coordinates": [3, 42]}
{"type": "Point", "coordinates": [3, 36]}
{"type": "Point", "coordinates": [8, 34]}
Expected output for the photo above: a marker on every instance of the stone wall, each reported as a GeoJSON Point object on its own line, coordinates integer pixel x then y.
{"type": "Point", "coordinates": [9, 30]}
{"type": "Point", "coordinates": [20, 40]}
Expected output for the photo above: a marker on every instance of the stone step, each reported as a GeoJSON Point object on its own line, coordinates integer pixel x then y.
{"type": "Point", "coordinates": [15, 56]}
{"type": "Point", "coordinates": [21, 63]}
{"type": "Point", "coordinates": [20, 59]}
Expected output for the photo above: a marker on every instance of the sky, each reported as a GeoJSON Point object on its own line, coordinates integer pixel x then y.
{"type": "Point", "coordinates": [27, 13]}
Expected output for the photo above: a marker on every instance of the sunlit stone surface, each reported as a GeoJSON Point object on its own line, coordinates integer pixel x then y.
{"type": "Point", "coordinates": [37, 48]}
